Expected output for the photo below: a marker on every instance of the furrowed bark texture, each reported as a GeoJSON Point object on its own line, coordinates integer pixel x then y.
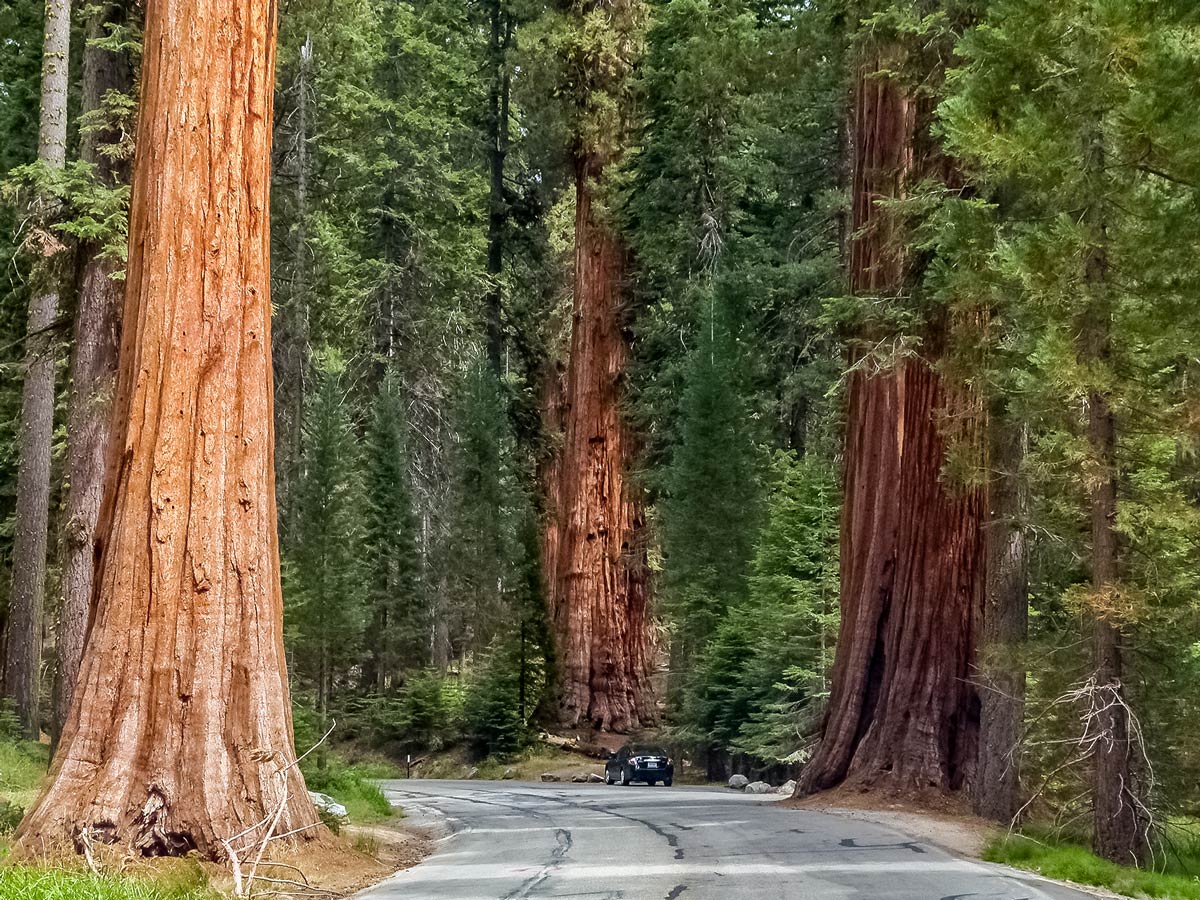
{"type": "Point", "coordinates": [93, 365]}
{"type": "Point", "coordinates": [599, 603]}
{"type": "Point", "coordinates": [1120, 819]}
{"type": "Point", "coordinates": [23, 645]}
{"type": "Point", "coordinates": [179, 734]}
{"type": "Point", "coordinates": [1001, 666]}
{"type": "Point", "coordinates": [903, 716]}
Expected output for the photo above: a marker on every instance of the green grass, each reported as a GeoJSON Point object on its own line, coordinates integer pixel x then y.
{"type": "Point", "coordinates": [1071, 862]}
{"type": "Point", "coordinates": [33, 883]}
{"type": "Point", "coordinates": [22, 767]}
{"type": "Point", "coordinates": [353, 786]}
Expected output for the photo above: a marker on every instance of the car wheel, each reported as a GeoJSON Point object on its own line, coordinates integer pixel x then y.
{"type": "Point", "coordinates": [624, 778]}
{"type": "Point", "coordinates": [667, 782]}
{"type": "Point", "coordinates": [607, 777]}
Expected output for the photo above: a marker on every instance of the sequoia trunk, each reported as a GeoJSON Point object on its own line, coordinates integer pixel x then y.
{"type": "Point", "coordinates": [599, 599]}
{"type": "Point", "coordinates": [23, 647]}
{"type": "Point", "coordinates": [93, 360]}
{"type": "Point", "coordinates": [903, 715]}
{"type": "Point", "coordinates": [599, 592]}
{"type": "Point", "coordinates": [179, 735]}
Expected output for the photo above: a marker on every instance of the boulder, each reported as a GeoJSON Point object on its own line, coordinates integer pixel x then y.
{"type": "Point", "coordinates": [787, 788]}
{"type": "Point", "coordinates": [472, 772]}
{"type": "Point", "coordinates": [593, 778]}
{"type": "Point", "coordinates": [579, 779]}
{"type": "Point", "coordinates": [758, 787]}
{"type": "Point", "coordinates": [739, 782]}
{"type": "Point", "coordinates": [330, 807]}
{"type": "Point", "coordinates": [550, 776]}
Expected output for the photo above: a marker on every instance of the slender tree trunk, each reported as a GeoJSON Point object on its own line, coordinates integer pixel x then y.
{"type": "Point", "coordinates": [599, 611]}
{"type": "Point", "coordinates": [93, 361]}
{"type": "Point", "coordinates": [292, 349]}
{"type": "Point", "coordinates": [498, 115]}
{"type": "Point", "coordinates": [179, 735]}
{"type": "Point", "coordinates": [1005, 625]}
{"type": "Point", "coordinates": [1120, 819]}
{"type": "Point", "coordinates": [903, 715]}
{"type": "Point", "coordinates": [23, 647]}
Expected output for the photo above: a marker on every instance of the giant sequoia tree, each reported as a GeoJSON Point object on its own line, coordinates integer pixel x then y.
{"type": "Point", "coordinates": [903, 715]}
{"type": "Point", "coordinates": [180, 734]}
{"type": "Point", "coordinates": [598, 589]}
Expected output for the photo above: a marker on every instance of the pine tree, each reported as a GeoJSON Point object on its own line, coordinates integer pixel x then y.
{"type": "Point", "coordinates": [23, 641]}
{"type": "Point", "coordinates": [710, 515]}
{"type": "Point", "coordinates": [1078, 122]}
{"type": "Point", "coordinates": [325, 594]}
{"type": "Point", "coordinates": [397, 637]}
{"type": "Point", "coordinates": [488, 508]}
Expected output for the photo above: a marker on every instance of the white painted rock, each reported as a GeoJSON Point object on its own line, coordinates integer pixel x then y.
{"type": "Point", "coordinates": [739, 782]}
{"type": "Point", "coordinates": [593, 778]}
{"type": "Point", "coordinates": [758, 787]}
{"type": "Point", "coordinates": [787, 788]}
{"type": "Point", "coordinates": [328, 805]}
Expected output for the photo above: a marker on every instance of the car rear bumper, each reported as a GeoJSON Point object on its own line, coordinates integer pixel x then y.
{"type": "Point", "coordinates": [657, 774]}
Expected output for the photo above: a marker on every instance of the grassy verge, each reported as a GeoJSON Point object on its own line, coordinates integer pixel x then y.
{"type": "Point", "coordinates": [1071, 862]}
{"type": "Point", "coordinates": [31, 883]}
{"type": "Point", "coordinates": [353, 786]}
{"type": "Point", "coordinates": [22, 768]}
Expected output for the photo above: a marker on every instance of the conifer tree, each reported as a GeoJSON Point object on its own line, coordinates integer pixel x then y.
{"type": "Point", "coordinates": [711, 511]}
{"type": "Point", "coordinates": [324, 591]}
{"type": "Point", "coordinates": [397, 636]}
{"type": "Point", "coordinates": [1078, 120]}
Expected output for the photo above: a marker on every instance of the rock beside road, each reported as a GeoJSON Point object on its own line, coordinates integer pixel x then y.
{"type": "Point", "coordinates": [787, 788]}
{"type": "Point", "coordinates": [472, 773]}
{"type": "Point", "coordinates": [330, 807]}
{"type": "Point", "coordinates": [758, 787]}
{"type": "Point", "coordinates": [509, 774]}
{"type": "Point", "coordinates": [593, 778]}
{"type": "Point", "coordinates": [738, 782]}
{"type": "Point", "coordinates": [550, 776]}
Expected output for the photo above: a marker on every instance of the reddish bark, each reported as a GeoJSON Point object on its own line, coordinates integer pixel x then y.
{"type": "Point", "coordinates": [903, 715]}
{"type": "Point", "coordinates": [599, 600]}
{"type": "Point", "coordinates": [180, 731]}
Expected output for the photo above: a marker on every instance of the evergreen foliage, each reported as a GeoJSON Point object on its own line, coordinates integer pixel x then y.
{"type": "Point", "coordinates": [413, 452]}
{"type": "Point", "coordinates": [397, 635]}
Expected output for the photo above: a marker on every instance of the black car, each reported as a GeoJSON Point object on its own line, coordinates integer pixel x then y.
{"type": "Point", "coordinates": [639, 762]}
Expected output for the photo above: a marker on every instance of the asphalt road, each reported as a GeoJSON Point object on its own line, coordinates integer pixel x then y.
{"type": "Point", "coordinates": [509, 840]}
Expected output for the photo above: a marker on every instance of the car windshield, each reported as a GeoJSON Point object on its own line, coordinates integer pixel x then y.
{"type": "Point", "coordinates": [647, 751]}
